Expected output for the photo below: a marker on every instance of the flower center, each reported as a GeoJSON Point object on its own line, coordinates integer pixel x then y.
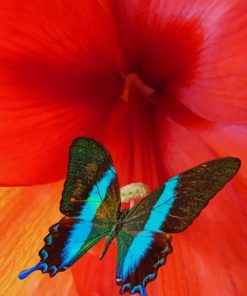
{"type": "Point", "coordinates": [134, 83]}
{"type": "Point", "coordinates": [133, 191]}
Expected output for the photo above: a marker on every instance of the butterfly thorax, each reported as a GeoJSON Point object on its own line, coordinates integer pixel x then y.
{"type": "Point", "coordinates": [120, 220]}
{"type": "Point", "coordinates": [115, 229]}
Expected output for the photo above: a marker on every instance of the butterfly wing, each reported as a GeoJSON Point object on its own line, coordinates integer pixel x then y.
{"type": "Point", "coordinates": [91, 185]}
{"type": "Point", "coordinates": [90, 201]}
{"type": "Point", "coordinates": [173, 206]}
{"type": "Point", "coordinates": [140, 254]}
{"type": "Point", "coordinates": [66, 242]}
{"type": "Point", "coordinates": [169, 209]}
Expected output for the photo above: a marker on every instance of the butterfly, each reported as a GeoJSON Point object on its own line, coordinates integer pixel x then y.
{"type": "Point", "coordinates": [91, 205]}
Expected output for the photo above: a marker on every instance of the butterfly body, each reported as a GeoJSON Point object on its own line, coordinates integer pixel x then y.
{"type": "Point", "coordinates": [114, 232]}
{"type": "Point", "coordinates": [91, 205]}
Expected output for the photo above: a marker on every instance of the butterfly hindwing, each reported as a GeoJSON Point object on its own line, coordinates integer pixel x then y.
{"type": "Point", "coordinates": [66, 242]}
{"type": "Point", "coordinates": [140, 254]}
{"type": "Point", "coordinates": [169, 209]}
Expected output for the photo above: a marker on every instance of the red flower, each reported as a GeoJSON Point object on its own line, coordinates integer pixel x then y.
{"type": "Point", "coordinates": [162, 85]}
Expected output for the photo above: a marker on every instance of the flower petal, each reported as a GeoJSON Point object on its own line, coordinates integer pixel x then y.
{"type": "Point", "coordinates": [159, 40]}
{"type": "Point", "coordinates": [228, 140]}
{"type": "Point", "coordinates": [60, 68]}
{"type": "Point", "coordinates": [26, 214]}
{"type": "Point", "coordinates": [190, 50]}
{"type": "Point", "coordinates": [218, 92]}
{"type": "Point", "coordinates": [178, 147]}
{"type": "Point", "coordinates": [95, 277]}
{"type": "Point", "coordinates": [130, 140]}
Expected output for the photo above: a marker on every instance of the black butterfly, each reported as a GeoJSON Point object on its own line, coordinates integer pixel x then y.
{"type": "Point", "coordinates": [91, 205]}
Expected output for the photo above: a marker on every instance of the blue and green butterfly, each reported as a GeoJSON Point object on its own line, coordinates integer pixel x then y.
{"type": "Point", "coordinates": [91, 205]}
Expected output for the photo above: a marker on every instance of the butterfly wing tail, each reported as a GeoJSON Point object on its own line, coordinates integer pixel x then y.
{"type": "Point", "coordinates": [139, 258]}
{"type": "Point", "coordinates": [66, 242]}
{"type": "Point", "coordinates": [25, 273]}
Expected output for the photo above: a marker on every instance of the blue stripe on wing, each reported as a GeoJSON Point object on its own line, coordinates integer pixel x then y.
{"type": "Point", "coordinates": [135, 281]}
{"type": "Point", "coordinates": [136, 252]}
{"type": "Point", "coordinates": [163, 205]}
{"type": "Point", "coordinates": [81, 231]}
{"type": "Point", "coordinates": [64, 247]}
{"type": "Point", "coordinates": [78, 235]}
{"type": "Point", "coordinates": [97, 195]}
{"type": "Point", "coordinates": [70, 248]}
{"type": "Point", "coordinates": [144, 239]}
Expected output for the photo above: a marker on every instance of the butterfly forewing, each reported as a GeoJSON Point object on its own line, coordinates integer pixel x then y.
{"type": "Point", "coordinates": [194, 190]}
{"type": "Point", "coordinates": [91, 185]}
{"type": "Point", "coordinates": [173, 206]}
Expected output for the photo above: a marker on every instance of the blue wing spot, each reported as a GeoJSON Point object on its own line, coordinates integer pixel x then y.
{"type": "Point", "coordinates": [125, 288]}
{"type": "Point", "coordinates": [139, 289]}
{"type": "Point", "coordinates": [53, 270]}
{"type": "Point", "coordinates": [55, 228]}
{"type": "Point", "coordinates": [48, 240]}
{"type": "Point", "coordinates": [43, 254]}
{"type": "Point", "coordinates": [44, 267]}
{"type": "Point", "coordinates": [150, 277]}
{"type": "Point", "coordinates": [159, 263]}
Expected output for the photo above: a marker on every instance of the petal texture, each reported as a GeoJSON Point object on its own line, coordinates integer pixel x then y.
{"type": "Point", "coordinates": [218, 91]}
{"type": "Point", "coordinates": [193, 51]}
{"type": "Point", "coordinates": [59, 76]}
{"type": "Point", "coordinates": [26, 214]}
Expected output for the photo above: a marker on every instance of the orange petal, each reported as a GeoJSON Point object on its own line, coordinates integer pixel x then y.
{"type": "Point", "coordinates": [26, 214]}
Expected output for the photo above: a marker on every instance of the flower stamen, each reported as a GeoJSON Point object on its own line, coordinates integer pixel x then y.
{"type": "Point", "coordinates": [133, 80]}
{"type": "Point", "coordinates": [133, 191]}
